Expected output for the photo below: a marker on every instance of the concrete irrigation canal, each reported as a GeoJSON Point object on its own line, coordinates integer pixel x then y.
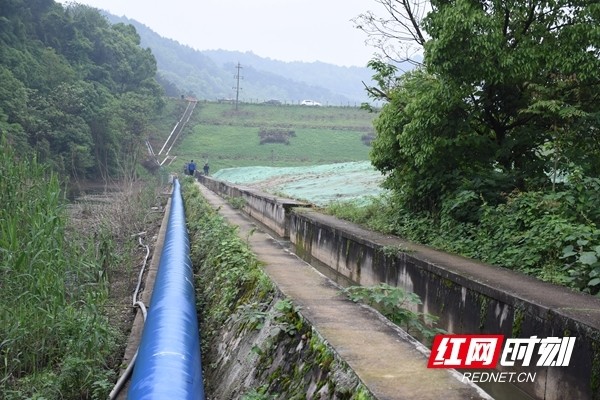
{"type": "Point", "coordinates": [287, 237]}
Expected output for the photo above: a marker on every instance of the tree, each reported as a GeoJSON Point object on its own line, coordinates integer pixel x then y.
{"type": "Point", "coordinates": [506, 86]}
{"type": "Point", "coordinates": [13, 109]}
{"type": "Point", "coordinates": [398, 34]}
{"type": "Point", "coordinates": [66, 78]}
{"type": "Point", "coordinates": [506, 53]}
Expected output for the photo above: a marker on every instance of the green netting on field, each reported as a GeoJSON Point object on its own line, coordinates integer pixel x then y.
{"type": "Point", "coordinates": [319, 184]}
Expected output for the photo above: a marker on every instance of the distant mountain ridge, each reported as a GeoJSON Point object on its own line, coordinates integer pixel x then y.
{"type": "Point", "coordinates": [210, 74]}
{"type": "Point", "coordinates": [345, 81]}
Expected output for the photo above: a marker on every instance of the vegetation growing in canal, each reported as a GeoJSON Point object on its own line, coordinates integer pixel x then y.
{"type": "Point", "coordinates": [398, 306]}
{"type": "Point", "coordinates": [295, 362]}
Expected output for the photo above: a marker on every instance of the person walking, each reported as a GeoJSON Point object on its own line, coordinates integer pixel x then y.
{"type": "Point", "coordinates": [206, 168]}
{"type": "Point", "coordinates": [192, 168]}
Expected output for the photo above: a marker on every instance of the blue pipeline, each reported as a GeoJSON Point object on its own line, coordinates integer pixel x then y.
{"type": "Point", "coordinates": [168, 364]}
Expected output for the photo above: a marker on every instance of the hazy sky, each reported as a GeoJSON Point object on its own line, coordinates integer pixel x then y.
{"type": "Point", "coordinates": [287, 30]}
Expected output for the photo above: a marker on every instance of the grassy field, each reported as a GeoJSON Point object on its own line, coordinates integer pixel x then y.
{"type": "Point", "coordinates": [227, 138]}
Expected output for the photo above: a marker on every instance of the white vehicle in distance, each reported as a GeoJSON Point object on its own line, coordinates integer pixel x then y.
{"type": "Point", "coordinates": [310, 103]}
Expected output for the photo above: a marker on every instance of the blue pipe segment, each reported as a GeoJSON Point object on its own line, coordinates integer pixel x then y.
{"type": "Point", "coordinates": [168, 364]}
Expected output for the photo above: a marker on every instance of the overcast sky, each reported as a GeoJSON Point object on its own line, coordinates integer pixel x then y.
{"type": "Point", "coordinates": [286, 30]}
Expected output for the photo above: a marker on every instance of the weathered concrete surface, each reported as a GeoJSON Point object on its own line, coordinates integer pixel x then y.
{"type": "Point", "coordinates": [389, 362]}
{"type": "Point", "coordinates": [272, 211]}
{"type": "Point", "coordinates": [469, 297]}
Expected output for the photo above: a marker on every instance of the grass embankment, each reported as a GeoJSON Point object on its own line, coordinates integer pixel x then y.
{"type": "Point", "coordinates": [65, 305]}
{"type": "Point", "coordinates": [226, 138]}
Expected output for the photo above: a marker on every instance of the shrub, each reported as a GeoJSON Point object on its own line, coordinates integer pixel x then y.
{"type": "Point", "coordinates": [397, 305]}
{"type": "Point", "coordinates": [553, 236]}
{"type": "Point", "coordinates": [275, 135]}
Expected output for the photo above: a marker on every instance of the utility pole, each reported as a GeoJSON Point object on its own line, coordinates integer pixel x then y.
{"type": "Point", "coordinates": [237, 88]}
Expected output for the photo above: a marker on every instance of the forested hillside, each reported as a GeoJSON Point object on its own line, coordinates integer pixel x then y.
{"type": "Point", "coordinates": [209, 74]}
{"type": "Point", "coordinates": [74, 89]}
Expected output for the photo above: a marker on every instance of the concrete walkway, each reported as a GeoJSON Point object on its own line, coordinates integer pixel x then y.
{"type": "Point", "coordinates": [388, 361]}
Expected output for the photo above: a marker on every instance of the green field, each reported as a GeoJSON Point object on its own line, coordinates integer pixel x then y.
{"type": "Point", "coordinates": [228, 138]}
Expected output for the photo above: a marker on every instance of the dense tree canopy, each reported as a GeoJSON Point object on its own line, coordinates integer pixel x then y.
{"type": "Point", "coordinates": [496, 137]}
{"type": "Point", "coordinates": [508, 99]}
{"type": "Point", "coordinates": [73, 88]}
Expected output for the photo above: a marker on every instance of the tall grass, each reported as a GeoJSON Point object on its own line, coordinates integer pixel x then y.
{"type": "Point", "coordinates": [54, 340]}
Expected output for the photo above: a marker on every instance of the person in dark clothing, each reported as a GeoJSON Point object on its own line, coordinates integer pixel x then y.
{"type": "Point", "coordinates": [206, 168]}
{"type": "Point", "coordinates": [192, 168]}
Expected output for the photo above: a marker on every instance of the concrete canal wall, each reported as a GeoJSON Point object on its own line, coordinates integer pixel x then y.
{"type": "Point", "coordinates": [468, 297]}
{"type": "Point", "coordinates": [272, 211]}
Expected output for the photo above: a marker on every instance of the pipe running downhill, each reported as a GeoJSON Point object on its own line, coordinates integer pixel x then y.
{"type": "Point", "coordinates": [168, 364]}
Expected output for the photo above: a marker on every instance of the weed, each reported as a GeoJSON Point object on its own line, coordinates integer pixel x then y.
{"type": "Point", "coordinates": [226, 268]}
{"type": "Point", "coordinates": [237, 202]}
{"type": "Point", "coordinates": [287, 318]}
{"type": "Point", "coordinates": [396, 304]}
{"type": "Point", "coordinates": [251, 315]}
{"type": "Point", "coordinates": [394, 251]}
{"type": "Point", "coordinates": [258, 394]}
